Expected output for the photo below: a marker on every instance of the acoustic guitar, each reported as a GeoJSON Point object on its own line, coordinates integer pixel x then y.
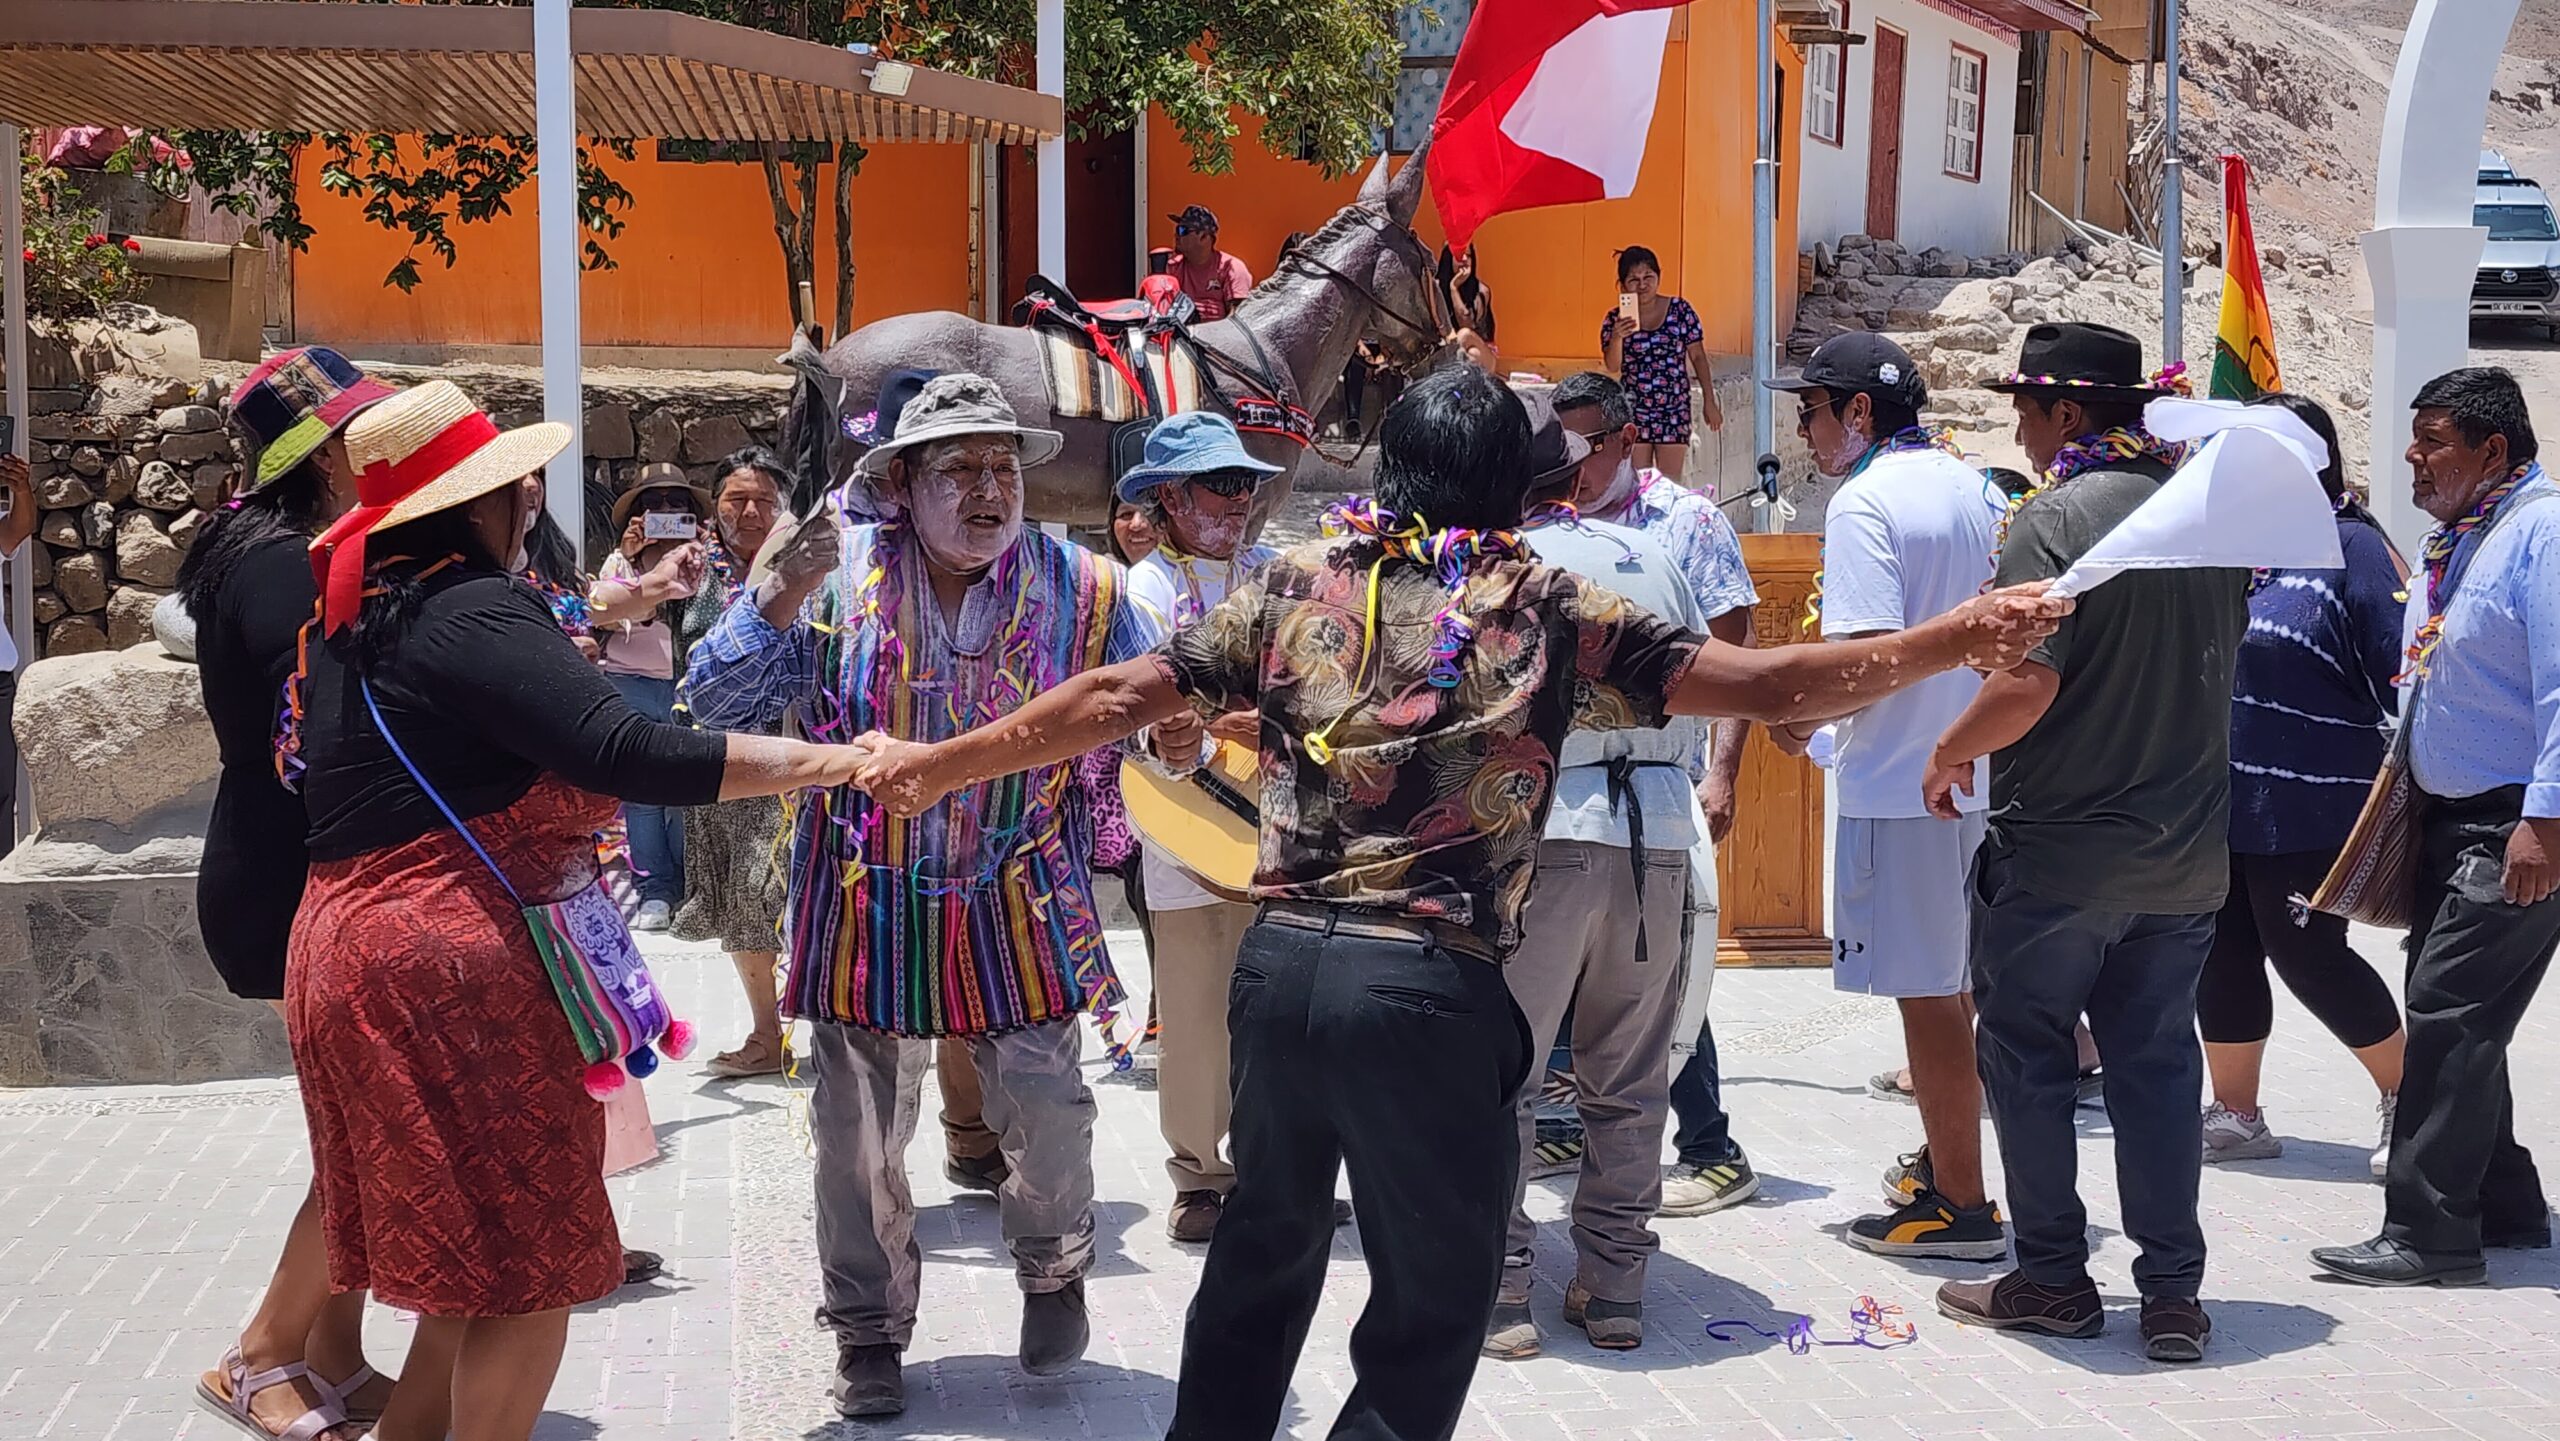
{"type": "Point", "coordinates": [1209, 822]}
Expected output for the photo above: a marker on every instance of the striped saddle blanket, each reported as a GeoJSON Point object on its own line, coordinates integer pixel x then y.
{"type": "Point", "coordinates": [1086, 385]}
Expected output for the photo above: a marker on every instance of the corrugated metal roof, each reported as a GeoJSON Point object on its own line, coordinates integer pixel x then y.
{"type": "Point", "coordinates": [468, 70]}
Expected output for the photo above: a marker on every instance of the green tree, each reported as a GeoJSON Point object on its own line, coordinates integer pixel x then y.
{"type": "Point", "coordinates": [1317, 71]}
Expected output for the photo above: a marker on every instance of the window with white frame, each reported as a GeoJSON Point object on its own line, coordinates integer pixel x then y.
{"type": "Point", "coordinates": [1826, 90]}
{"type": "Point", "coordinates": [1430, 32]}
{"type": "Point", "coordinates": [1964, 112]}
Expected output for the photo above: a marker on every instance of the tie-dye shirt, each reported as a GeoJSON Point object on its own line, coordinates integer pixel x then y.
{"type": "Point", "coordinates": [977, 917]}
{"type": "Point", "coordinates": [1435, 799]}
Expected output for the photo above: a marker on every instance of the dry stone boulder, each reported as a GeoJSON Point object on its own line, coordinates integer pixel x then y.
{"type": "Point", "coordinates": [163, 487]}
{"type": "Point", "coordinates": [71, 635]}
{"type": "Point", "coordinates": [188, 420]}
{"type": "Point", "coordinates": [48, 607]}
{"type": "Point", "coordinates": [123, 473]}
{"type": "Point", "coordinates": [118, 749]}
{"type": "Point", "coordinates": [64, 491]}
{"type": "Point", "coordinates": [608, 433]}
{"type": "Point", "coordinates": [183, 529]}
{"type": "Point", "coordinates": [40, 564]}
{"type": "Point", "coordinates": [209, 483]}
{"type": "Point", "coordinates": [129, 615]}
{"type": "Point", "coordinates": [60, 528]}
{"type": "Point", "coordinates": [144, 552]}
{"type": "Point", "coordinates": [88, 461]}
{"type": "Point", "coordinates": [185, 448]}
{"type": "Point", "coordinates": [661, 438]}
{"type": "Point", "coordinates": [712, 438]}
{"type": "Point", "coordinates": [81, 580]}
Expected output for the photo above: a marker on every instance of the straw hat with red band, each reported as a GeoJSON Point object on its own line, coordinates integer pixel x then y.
{"type": "Point", "coordinates": [424, 450]}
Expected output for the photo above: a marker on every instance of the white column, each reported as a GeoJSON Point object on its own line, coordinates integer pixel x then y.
{"type": "Point", "coordinates": [13, 318]}
{"type": "Point", "coordinates": [1764, 264]}
{"type": "Point", "coordinates": [1051, 70]}
{"type": "Point", "coordinates": [2173, 206]}
{"type": "Point", "coordinates": [555, 101]}
{"type": "Point", "coordinates": [1051, 73]}
{"type": "Point", "coordinates": [2423, 251]}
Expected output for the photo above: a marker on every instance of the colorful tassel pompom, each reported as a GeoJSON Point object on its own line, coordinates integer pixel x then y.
{"type": "Point", "coordinates": [603, 1079]}
{"type": "Point", "coordinates": [678, 1041]}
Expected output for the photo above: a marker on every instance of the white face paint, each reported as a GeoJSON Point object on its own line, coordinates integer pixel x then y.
{"type": "Point", "coordinates": [966, 501]}
{"type": "Point", "coordinates": [1205, 523]}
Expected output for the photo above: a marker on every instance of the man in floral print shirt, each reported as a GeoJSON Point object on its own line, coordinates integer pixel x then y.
{"type": "Point", "coordinates": [1411, 714]}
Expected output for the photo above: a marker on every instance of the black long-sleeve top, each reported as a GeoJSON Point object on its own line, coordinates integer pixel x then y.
{"type": "Point", "coordinates": [486, 695]}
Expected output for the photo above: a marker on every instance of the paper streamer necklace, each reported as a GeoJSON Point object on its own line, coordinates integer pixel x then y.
{"type": "Point", "coordinates": [1449, 554]}
{"type": "Point", "coordinates": [289, 712]}
{"type": "Point", "coordinates": [1902, 442]}
{"type": "Point", "coordinates": [2436, 554]}
{"type": "Point", "coordinates": [1192, 603]}
{"type": "Point", "coordinates": [1872, 1324]}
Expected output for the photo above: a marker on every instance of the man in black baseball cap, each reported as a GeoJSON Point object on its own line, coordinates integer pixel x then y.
{"type": "Point", "coordinates": [1213, 279]}
{"type": "Point", "coordinates": [1857, 390]}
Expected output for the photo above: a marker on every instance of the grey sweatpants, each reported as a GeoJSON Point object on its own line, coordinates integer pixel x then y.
{"type": "Point", "coordinates": [1578, 951]}
{"type": "Point", "coordinates": [862, 1115]}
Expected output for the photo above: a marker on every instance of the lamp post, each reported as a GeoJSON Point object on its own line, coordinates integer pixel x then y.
{"type": "Point", "coordinates": [2173, 195]}
{"type": "Point", "coordinates": [1764, 264]}
{"type": "Point", "coordinates": [555, 162]}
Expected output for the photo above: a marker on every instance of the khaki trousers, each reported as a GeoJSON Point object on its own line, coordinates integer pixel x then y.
{"type": "Point", "coordinates": [1578, 951]}
{"type": "Point", "coordinates": [1194, 965]}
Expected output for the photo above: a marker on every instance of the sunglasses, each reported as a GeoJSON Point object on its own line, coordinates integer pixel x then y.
{"type": "Point", "coordinates": [1805, 414]}
{"type": "Point", "coordinates": [1227, 484]}
{"type": "Point", "coordinates": [1193, 230]}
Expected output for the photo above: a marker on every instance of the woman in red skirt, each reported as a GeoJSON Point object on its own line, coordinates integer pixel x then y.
{"type": "Point", "coordinates": [459, 1155]}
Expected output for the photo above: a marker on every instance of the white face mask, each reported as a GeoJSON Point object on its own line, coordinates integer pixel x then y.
{"type": "Point", "coordinates": [1622, 487]}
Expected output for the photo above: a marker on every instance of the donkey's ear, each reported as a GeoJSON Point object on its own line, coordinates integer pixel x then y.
{"type": "Point", "coordinates": [1373, 191]}
{"type": "Point", "coordinates": [1404, 193]}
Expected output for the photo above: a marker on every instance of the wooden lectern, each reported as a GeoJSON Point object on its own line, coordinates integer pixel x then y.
{"type": "Point", "coordinates": [1769, 871]}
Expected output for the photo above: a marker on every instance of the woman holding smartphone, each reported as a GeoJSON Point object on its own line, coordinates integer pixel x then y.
{"type": "Point", "coordinates": [659, 561]}
{"type": "Point", "coordinates": [1655, 346]}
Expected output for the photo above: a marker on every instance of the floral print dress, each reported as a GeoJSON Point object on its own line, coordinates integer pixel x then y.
{"type": "Point", "coordinates": [1655, 368]}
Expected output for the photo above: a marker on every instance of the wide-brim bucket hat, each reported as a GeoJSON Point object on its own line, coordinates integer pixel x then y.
{"type": "Point", "coordinates": [951, 406]}
{"type": "Point", "coordinates": [1195, 442]}
{"type": "Point", "coordinates": [295, 401]}
{"type": "Point", "coordinates": [660, 476]}
{"type": "Point", "coordinates": [421, 451]}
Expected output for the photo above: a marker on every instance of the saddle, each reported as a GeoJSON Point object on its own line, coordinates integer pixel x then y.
{"type": "Point", "coordinates": [1133, 362]}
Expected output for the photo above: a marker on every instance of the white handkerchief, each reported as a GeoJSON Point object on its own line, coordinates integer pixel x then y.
{"type": "Point", "coordinates": [2251, 497]}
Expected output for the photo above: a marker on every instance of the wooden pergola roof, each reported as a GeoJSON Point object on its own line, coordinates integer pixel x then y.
{"type": "Point", "coordinates": [468, 70]}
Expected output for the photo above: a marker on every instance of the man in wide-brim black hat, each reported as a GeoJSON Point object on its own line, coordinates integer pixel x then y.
{"type": "Point", "coordinates": [2106, 856]}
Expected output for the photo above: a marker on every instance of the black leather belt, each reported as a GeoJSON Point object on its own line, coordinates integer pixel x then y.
{"type": "Point", "coordinates": [1622, 797]}
{"type": "Point", "coordinates": [1372, 923]}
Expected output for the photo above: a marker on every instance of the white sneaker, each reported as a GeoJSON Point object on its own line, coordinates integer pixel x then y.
{"type": "Point", "coordinates": [652, 916]}
{"type": "Point", "coordinates": [2389, 1109]}
{"type": "Point", "coordinates": [2230, 1136]}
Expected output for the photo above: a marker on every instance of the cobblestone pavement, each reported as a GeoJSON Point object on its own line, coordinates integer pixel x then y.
{"type": "Point", "coordinates": [136, 1226]}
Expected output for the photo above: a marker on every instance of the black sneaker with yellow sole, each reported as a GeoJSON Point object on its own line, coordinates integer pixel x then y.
{"type": "Point", "coordinates": [1931, 1225]}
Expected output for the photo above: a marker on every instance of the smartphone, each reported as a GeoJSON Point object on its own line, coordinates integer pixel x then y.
{"type": "Point", "coordinates": [1628, 309]}
{"type": "Point", "coordinates": [8, 439]}
{"type": "Point", "coordinates": [669, 525]}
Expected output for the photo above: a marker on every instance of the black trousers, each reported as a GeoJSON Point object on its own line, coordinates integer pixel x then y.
{"type": "Point", "coordinates": [8, 762]}
{"type": "Point", "coordinates": [1402, 1062]}
{"type": "Point", "coordinates": [2474, 965]}
{"type": "Point", "coordinates": [2259, 926]}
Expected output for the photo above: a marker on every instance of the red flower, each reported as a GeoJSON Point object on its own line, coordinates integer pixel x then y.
{"type": "Point", "coordinates": [31, 255]}
{"type": "Point", "coordinates": [94, 241]}
{"type": "Point", "coordinates": [133, 245]}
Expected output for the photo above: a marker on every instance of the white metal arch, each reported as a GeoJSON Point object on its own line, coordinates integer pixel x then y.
{"type": "Point", "coordinates": [2423, 251]}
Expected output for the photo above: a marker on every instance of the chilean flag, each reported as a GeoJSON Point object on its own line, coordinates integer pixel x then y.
{"type": "Point", "coordinates": [1548, 103]}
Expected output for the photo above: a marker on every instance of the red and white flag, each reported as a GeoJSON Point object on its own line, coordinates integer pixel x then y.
{"type": "Point", "coordinates": [1549, 103]}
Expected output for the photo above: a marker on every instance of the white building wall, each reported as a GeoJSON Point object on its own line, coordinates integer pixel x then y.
{"type": "Point", "coordinates": [1968, 216]}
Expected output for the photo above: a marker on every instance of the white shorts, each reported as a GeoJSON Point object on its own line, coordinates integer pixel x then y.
{"type": "Point", "coordinates": [1898, 904]}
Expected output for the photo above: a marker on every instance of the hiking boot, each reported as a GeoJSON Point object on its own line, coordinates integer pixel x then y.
{"type": "Point", "coordinates": [2231, 1135]}
{"type": "Point", "coordinates": [983, 1174]}
{"type": "Point", "coordinates": [1512, 1334]}
{"type": "Point", "coordinates": [1611, 1325]}
{"type": "Point", "coordinates": [1933, 1226]}
{"type": "Point", "coordinates": [2014, 1303]}
{"type": "Point", "coordinates": [1907, 1177]}
{"type": "Point", "coordinates": [2174, 1328]}
{"type": "Point", "coordinates": [2385, 1262]}
{"type": "Point", "coordinates": [868, 1381]}
{"type": "Point", "coordinates": [1055, 1329]}
{"type": "Point", "coordinates": [1194, 1217]}
{"type": "Point", "coordinates": [1694, 1188]}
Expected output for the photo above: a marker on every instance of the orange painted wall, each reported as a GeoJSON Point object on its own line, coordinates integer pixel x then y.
{"type": "Point", "coordinates": [698, 264]}
{"type": "Point", "coordinates": [1553, 271]}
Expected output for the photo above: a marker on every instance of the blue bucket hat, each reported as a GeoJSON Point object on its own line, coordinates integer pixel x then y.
{"type": "Point", "coordinates": [1192, 443]}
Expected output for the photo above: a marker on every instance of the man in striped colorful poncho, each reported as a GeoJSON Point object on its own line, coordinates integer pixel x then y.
{"type": "Point", "coordinates": [975, 919]}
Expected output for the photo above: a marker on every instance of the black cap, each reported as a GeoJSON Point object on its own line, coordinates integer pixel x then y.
{"type": "Point", "coordinates": [1553, 447]}
{"type": "Point", "coordinates": [1196, 219]}
{"type": "Point", "coordinates": [1861, 362]}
